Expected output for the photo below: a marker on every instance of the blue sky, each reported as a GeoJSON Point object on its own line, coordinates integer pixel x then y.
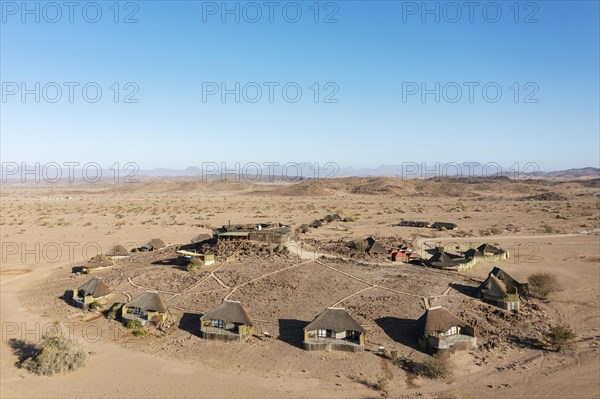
{"type": "Point", "coordinates": [368, 61]}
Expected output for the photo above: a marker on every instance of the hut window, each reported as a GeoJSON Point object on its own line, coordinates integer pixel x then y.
{"type": "Point", "coordinates": [137, 311]}
{"type": "Point", "coordinates": [321, 333]}
{"type": "Point", "coordinates": [218, 323]}
{"type": "Point", "coordinates": [451, 331]}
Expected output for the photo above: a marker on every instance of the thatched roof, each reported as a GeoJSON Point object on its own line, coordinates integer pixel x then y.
{"type": "Point", "coordinates": [505, 277]}
{"type": "Point", "coordinates": [229, 312]}
{"type": "Point", "coordinates": [149, 300]}
{"type": "Point", "coordinates": [489, 249]}
{"type": "Point", "coordinates": [493, 286]}
{"type": "Point", "coordinates": [156, 243]}
{"type": "Point", "coordinates": [201, 238]}
{"type": "Point", "coordinates": [117, 250]}
{"type": "Point", "coordinates": [444, 259]}
{"type": "Point", "coordinates": [94, 287]}
{"type": "Point", "coordinates": [438, 320]}
{"type": "Point", "coordinates": [375, 247]}
{"type": "Point", "coordinates": [100, 260]}
{"type": "Point", "coordinates": [336, 319]}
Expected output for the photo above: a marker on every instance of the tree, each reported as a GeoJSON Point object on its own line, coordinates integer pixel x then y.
{"type": "Point", "coordinates": [543, 284]}
{"type": "Point", "coordinates": [561, 337]}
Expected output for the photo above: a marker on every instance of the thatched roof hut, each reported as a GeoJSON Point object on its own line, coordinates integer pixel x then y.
{"type": "Point", "coordinates": [231, 312]}
{"type": "Point", "coordinates": [488, 249]}
{"type": "Point", "coordinates": [99, 260]}
{"type": "Point", "coordinates": [375, 248]}
{"type": "Point", "coordinates": [438, 320]}
{"type": "Point", "coordinates": [493, 287]}
{"type": "Point", "coordinates": [505, 277]}
{"type": "Point", "coordinates": [117, 251]}
{"type": "Point", "coordinates": [336, 319]}
{"type": "Point", "coordinates": [155, 243]}
{"type": "Point", "coordinates": [94, 287]}
{"type": "Point", "coordinates": [148, 301]}
{"type": "Point", "coordinates": [445, 260]}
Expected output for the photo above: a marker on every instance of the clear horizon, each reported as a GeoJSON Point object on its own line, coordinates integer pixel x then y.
{"type": "Point", "coordinates": [175, 84]}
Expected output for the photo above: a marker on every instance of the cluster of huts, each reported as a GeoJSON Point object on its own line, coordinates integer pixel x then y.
{"type": "Point", "coordinates": [333, 329]}
{"type": "Point", "coordinates": [464, 258]}
{"type": "Point", "coordinates": [403, 253]}
{"type": "Point", "coordinates": [119, 252]}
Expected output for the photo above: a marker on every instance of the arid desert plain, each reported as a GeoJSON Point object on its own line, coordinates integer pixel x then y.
{"type": "Point", "coordinates": [49, 231]}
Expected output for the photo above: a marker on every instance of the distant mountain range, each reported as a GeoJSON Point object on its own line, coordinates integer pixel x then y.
{"type": "Point", "coordinates": [295, 172]}
{"type": "Point", "coordinates": [292, 171]}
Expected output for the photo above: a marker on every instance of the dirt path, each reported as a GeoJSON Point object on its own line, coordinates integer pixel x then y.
{"type": "Point", "coordinates": [234, 289]}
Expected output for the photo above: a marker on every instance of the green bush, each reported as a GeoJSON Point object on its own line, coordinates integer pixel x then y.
{"type": "Point", "coordinates": [133, 325]}
{"type": "Point", "coordinates": [55, 355]}
{"type": "Point", "coordinates": [138, 329]}
{"type": "Point", "coordinates": [543, 284]}
{"type": "Point", "coordinates": [140, 332]}
{"type": "Point", "coordinates": [561, 337]}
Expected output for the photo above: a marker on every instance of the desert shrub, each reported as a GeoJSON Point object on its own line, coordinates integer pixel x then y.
{"type": "Point", "coordinates": [543, 284]}
{"type": "Point", "coordinates": [359, 245]}
{"type": "Point", "coordinates": [436, 367]}
{"type": "Point", "coordinates": [133, 324]}
{"type": "Point", "coordinates": [94, 305]}
{"type": "Point", "coordinates": [193, 263]}
{"type": "Point", "coordinates": [393, 354]}
{"type": "Point", "coordinates": [140, 332]}
{"type": "Point", "coordinates": [138, 329]}
{"type": "Point", "coordinates": [55, 355]}
{"type": "Point", "coordinates": [349, 219]}
{"type": "Point", "coordinates": [561, 337]}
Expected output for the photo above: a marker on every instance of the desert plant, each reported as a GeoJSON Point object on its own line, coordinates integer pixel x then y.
{"type": "Point", "coordinates": [436, 367]}
{"type": "Point", "coordinates": [561, 337]}
{"type": "Point", "coordinates": [140, 332]}
{"type": "Point", "coordinates": [359, 245]}
{"type": "Point", "coordinates": [138, 329]}
{"type": "Point", "coordinates": [133, 324]}
{"type": "Point", "coordinates": [543, 284]}
{"type": "Point", "coordinates": [193, 263]}
{"type": "Point", "coordinates": [55, 354]}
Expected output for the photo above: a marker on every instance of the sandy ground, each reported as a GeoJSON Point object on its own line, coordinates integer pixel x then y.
{"type": "Point", "coordinates": [541, 235]}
